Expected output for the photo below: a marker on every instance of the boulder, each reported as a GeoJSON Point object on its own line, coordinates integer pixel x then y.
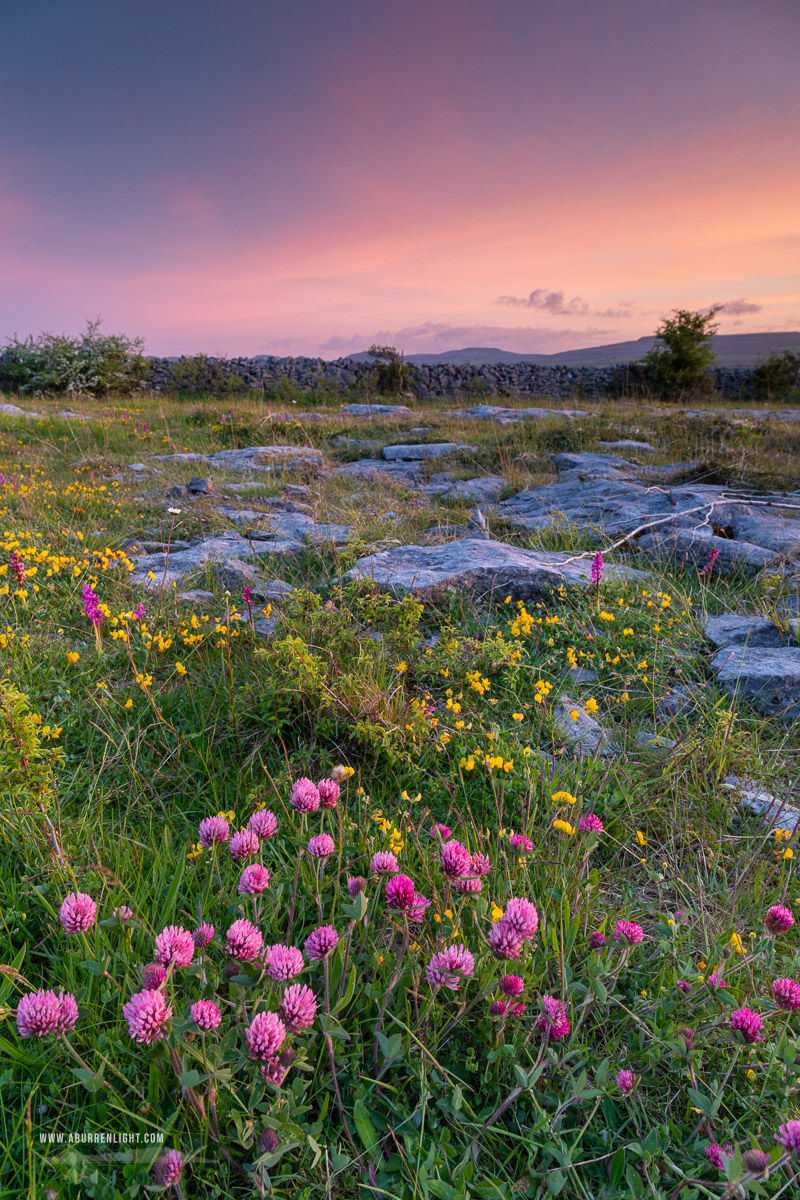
{"type": "Point", "coordinates": [423, 450]}
{"type": "Point", "coordinates": [11, 410]}
{"type": "Point", "coordinates": [769, 678]}
{"type": "Point", "coordinates": [589, 463]}
{"type": "Point", "coordinates": [694, 546]}
{"type": "Point", "coordinates": [287, 526]}
{"type": "Point", "coordinates": [730, 629]}
{"type": "Point", "coordinates": [485, 568]}
{"type": "Point", "coordinates": [248, 458]}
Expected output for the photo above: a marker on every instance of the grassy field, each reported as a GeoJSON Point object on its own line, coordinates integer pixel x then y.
{"type": "Point", "coordinates": [419, 1076]}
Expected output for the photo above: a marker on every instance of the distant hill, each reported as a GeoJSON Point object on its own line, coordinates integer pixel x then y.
{"type": "Point", "coordinates": [732, 350]}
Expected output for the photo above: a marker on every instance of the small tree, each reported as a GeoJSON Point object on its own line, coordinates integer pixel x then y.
{"type": "Point", "coordinates": [678, 363]}
{"type": "Point", "coordinates": [393, 375]}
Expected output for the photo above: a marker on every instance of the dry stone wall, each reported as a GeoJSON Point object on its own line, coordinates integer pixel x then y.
{"type": "Point", "coordinates": [427, 382]}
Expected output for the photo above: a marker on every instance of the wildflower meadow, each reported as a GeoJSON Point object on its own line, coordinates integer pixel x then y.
{"type": "Point", "coordinates": [306, 890]}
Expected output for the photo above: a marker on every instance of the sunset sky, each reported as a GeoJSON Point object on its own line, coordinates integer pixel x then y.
{"type": "Point", "coordinates": [310, 176]}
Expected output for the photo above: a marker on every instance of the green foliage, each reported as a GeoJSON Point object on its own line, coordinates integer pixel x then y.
{"type": "Point", "coordinates": [392, 376]}
{"type": "Point", "coordinates": [92, 364]}
{"type": "Point", "coordinates": [776, 377]}
{"type": "Point", "coordinates": [677, 366]}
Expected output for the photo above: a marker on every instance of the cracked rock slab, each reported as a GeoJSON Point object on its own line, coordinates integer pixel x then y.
{"type": "Point", "coordinates": [777, 813]}
{"type": "Point", "coordinates": [769, 678]}
{"type": "Point", "coordinates": [248, 458]}
{"type": "Point", "coordinates": [422, 450]}
{"type": "Point", "coordinates": [731, 629]}
{"type": "Point", "coordinates": [376, 410]}
{"type": "Point", "coordinates": [482, 567]}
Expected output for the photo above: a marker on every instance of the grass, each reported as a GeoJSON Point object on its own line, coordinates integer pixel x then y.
{"type": "Point", "coordinates": [439, 713]}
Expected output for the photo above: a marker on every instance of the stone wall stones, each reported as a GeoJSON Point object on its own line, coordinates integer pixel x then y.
{"type": "Point", "coordinates": [429, 382]}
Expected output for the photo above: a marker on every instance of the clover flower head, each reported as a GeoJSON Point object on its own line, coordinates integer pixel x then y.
{"type": "Point", "coordinates": [748, 1023]}
{"type": "Point", "coordinates": [298, 1007]}
{"type": "Point", "coordinates": [174, 945]}
{"type": "Point", "coordinates": [714, 1154]}
{"type": "Point", "coordinates": [329, 792]}
{"type": "Point", "coordinates": [78, 912]}
{"type": "Point", "coordinates": [467, 885]}
{"type": "Point", "coordinates": [449, 967]}
{"type": "Point", "coordinates": [273, 1070]}
{"type": "Point", "coordinates": [778, 919]}
{"type": "Point", "coordinates": [211, 830]}
{"type": "Point", "coordinates": [243, 940]}
{"type": "Point", "coordinates": [304, 796]}
{"type": "Point", "coordinates": [400, 892]}
{"type": "Point", "coordinates": [254, 880]}
{"type": "Point", "coordinates": [356, 884]}
{"type": "Point", "coordinates": [283, 962]}
{"type": "Point", "coordinates": [383, 863]}
{"type": "Point", "coordinates": [589, 823]}
{"type": "Point", "coordinates": [522, 916]}
{"type": "Point", "coordinates": [788, 1136]}
{"type": "Point", "coordinates": [553, 1021]}
{"type": "Point", "coordinates": [597, 940]}
{"type": "Point", "coordinates": [147, 1014]}
{"type": "Point", "coordinates": [244, 844]}
{"type": "Point", "coordinates": [263, 824]}
{"type": "Point", "coordinates": [786, 994]}
{"type": "Point", "coordinates": [265, 1035]}
{"type": "Point", "coordinates": [504, 940]}
{"type": "Point", "coordinates": [203, 935]}
{"type": "Point", "coordinates": [321, 846]}
{"type": "Point", "coordinates": [497, 1008]}
{"type": "Point", "coordinates": [441, 831]}
{"type": "Point", "coordinates": [153, 976]}
{"type": "Point", "coordinates": [419, 906]}
{"type": "Point", "coordinates": [628, 933]}
{"type": "Point", "coordinates": [321, 942]}
{"type": "Point", "coordinates": [44, 1012]}
{"type": "Point", "coordinates": [518, 841]}
{"type": "Point", "coordinates": [512, 985]}
{"type": "Point", "coordinates": [205, 1014]}
{"type": "Point", "coordinates": [454, 859]}
{"type": "Point", "coordinates": [168, 1168]}
{"type": "Point", "coordinates": [123, 913]}
{"type": "Point", "coordinates": [626, 1081]}
{"type": "Point", "coordinates": [480, 864]}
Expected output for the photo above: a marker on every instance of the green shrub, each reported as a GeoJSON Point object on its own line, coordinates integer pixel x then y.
{"type": "Point", "coordinates": [777, 377]}
{"type": "Point", "coordinates": [90, 365]}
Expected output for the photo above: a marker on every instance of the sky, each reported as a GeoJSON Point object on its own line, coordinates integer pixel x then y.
{"type": "Point", "coordinates": [292, 177]}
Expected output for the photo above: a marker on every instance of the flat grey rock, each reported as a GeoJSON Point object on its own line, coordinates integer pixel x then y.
{"type": "Point", "coordinates": [69, 415]}
{"type": "Point", "coordinates": [484, 489]}
{"type": "Point", "coordinates": [590, 463]}
{"type": "Point", "coordinates": [287, 526]}
{"type": "Point", "coordinates": [248, 458]}
{"type": "Point", "coordinates": [196, 596]}
{"type": "Point", "coordinates": [676, 701]}
{"type": "Point", "coordinates": [424, 450]}
{"type": "Point", "coordinates": [770, 679]}
{"type": "Point", "coordinates": [731, 629]}
{"type": "Point", "coordinates": [352, 443]}
{"type": "Point", "coordinates": [234, 575]}
{"type": "Point", "coordinates": [201, 487]}
{"type": "Point", "coordinates": [374, 468]}
{"type": "Point", "coordinates": [137, 467]}
{"type": "Point", "coordinates": [511, 416]}
{"type": "Point", "coordinates": [777, 813]}
{"type": "Point", "coordinates": [158, 570]}
{"type": "Point", "coordinates": [376, 410]}
{"type": "Point", "coordinates": [12, 410]}
{"type": "Point", "coordinates": [480, 566]}
{"type": "Point", "coordinates": [694, 546]}
{"type": "Point", "coordinates": [277, 590]}
{"type": "Point", "coordinates": [581, 733]}
{"type": "Point", "coordinates": [265, 628]}
{"type": "Point", "coordinates": [628, 444]}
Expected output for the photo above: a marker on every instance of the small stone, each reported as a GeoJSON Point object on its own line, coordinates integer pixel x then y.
{"type": "Point", "coordinates": [201, 487]}
{"type": "Point", "coordinates": [137, 466]}
{"type": "Point", "coordinates": [580, 731]}
{"type": "Point", "coordinates": [265, 628]}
